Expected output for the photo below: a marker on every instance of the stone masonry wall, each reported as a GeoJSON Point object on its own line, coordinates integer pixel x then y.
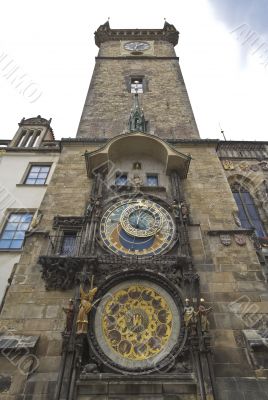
{"type": "Point", "coordinates": [165, 101]}
{"type": "Point", "coordinates": [231, 277]}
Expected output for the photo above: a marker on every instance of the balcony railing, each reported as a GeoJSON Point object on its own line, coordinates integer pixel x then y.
{"type": "Point", "coordinates": [67, 245]}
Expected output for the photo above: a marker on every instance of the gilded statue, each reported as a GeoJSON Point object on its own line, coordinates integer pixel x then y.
{"type": "Point", "coordinates": [86, 304]}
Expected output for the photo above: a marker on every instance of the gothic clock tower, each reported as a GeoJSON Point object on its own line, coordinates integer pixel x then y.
{"type": "Point", "coordinates": [135, 335]}
{"type": "Point", "coordinates": [147, 58]}
{"type": "Point", "coordinates": [130, 281]}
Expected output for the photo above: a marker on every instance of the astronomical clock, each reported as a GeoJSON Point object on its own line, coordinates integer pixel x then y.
{"type": "Point", "coordinates": [137, 227]}
{"type": "Point", "coordinates": [138, 321]}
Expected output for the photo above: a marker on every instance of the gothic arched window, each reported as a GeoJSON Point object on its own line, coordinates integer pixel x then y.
{"type": "Point", "coordinates": [247, 211]}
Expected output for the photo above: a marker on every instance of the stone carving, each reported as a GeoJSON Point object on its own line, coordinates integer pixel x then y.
{"type": "Point", "coordinates": [236, 219]}
{"type": "Point", "coordinates": [225, 240]}
{"type": "Point", "coordinates": [64, 272]}
{"type": "Point", "coordinates": [68, 221]}
{"type": "Point", "coordinates": [254, 167]}
{"type": "Point", "coordinates": [240, 239]}
{"type": "Point", "coordinates": [189, 314]}
{"type": "Point", "coordinates": [256, 340]}
{"type": "Point", "coordinates": [203, 313]}
{"type": "Point", "coordinates": [137, 181]}
{"type": "Point", "coordinates": [184, 211]}
{"type": "Point", "coordinates": [244, 166]}
{"type": "Point", "coordinates": [35, 221]}
{"type": "Point", "coordinates": [183, 367]}
{"type": "Point", "coordinates": [86, 304]}
{"type": "Point", "coordinates": [69, 311]}
{"type": "Point", "coordinates": [228, 165]}
{"type": "Point", "coordinates": [176, 208]}
{"type": "Point", "coordinates": [59, 274]}
{"type": "Point", "coordinates": [90, 368]}
{"type": "Point", "coordinates": [137, 165]}
{"type": "Point", "coordinates": [264, 165]}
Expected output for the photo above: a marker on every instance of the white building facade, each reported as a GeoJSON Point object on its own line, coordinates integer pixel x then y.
{"type": "Point", "coordinates": [27, 163]}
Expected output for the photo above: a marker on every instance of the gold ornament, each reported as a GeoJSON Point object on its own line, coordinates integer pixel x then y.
{"type": "Point", "coordinates": [137, 322]}
{"type": "Point", "coordinates": [228, 165]}
{"type": "Point", "coordinates": [86, 304]}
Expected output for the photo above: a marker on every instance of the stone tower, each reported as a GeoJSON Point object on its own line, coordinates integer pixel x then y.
{"type": "Point", "coordinates": [145, 275]}
{"type": "Point", "coordinates": [145, 56]}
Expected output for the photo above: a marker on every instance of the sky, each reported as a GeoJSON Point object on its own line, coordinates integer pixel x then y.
{"type": "Point", "coordinates": [223, 50]}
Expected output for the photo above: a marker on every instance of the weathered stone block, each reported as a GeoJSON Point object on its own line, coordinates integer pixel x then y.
{"type": "Point", "coordinates": [135, 388]}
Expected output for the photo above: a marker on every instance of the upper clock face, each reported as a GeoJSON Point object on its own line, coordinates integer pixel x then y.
{"type": "Point", "coordinates": [136, 46]}
{"type": "Point", "coordinates": [137, 227]}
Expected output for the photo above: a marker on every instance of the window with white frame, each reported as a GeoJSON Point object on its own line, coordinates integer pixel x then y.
{"type": "Point", "coordinates": [37, 175]}
{"type": "Point", "coordinates": [13, 234]}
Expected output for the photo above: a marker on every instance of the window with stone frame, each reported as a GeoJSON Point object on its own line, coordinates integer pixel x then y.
{"type": "Point", "coordinates": [136, 85]}
{"type": "Point", "coordinates": [68, 243]}
{"type": "Point", "coordinates": [121, 178]}
{"type": "Point", "coordinates": [37, 175]}
{"type": "Point", "coordinates": [13, 234]}
{"type": "Point", "coordinates": [247, 210]}
{"type": "Point", "coordinates": [152, 180]}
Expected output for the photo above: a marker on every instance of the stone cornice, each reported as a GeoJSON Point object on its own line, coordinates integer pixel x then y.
{"type": "Point", "coordinates": [216, 232]}
{"type": "Point", "coordinates": [168, 33]}
{"type": "Point", "coordinates": [136, 58]}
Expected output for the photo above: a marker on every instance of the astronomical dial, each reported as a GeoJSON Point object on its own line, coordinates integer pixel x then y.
{"type": "Point", "coordinates": [136, 46]}
{"type": "Point", "coordinates": [141, 220]}
{"type": "Point", "coordinates": [137, 325]}
{"type": "Point", "coordinates": [137, 227]}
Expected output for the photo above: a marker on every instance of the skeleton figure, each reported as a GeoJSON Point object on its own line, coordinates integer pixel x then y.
{"type": "Point", "coordinates": [189, 314]}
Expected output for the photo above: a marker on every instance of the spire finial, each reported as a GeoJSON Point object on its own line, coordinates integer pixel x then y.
{"type": "Point", "coordinates": [136, 121]}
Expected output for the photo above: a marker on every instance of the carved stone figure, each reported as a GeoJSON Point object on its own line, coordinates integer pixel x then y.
{"type": "Point", "coordinates": [244, 166]}
{"type": "Point", "coordinates": [226, 240]}
{"type": "Point", "coordinates": [137, 165]}
{"type": "Point", "coordinates": [176, 208]}
{"type": "Point", "coordinates": [91, 368]}
{"type": "Point", "coordinates": [236, 219]}
{"type": "Point", "coordinates": [228, 165]}
{"type": "Point", "coordinates": [264, 165]}
{"type": "Point", "coordinates": [240, 239]}
{"type": "Point", "coordinates": [137, 181]}
{"type": "Point", "coordinates": [35, 221]}
{"type": "Point", "coordinates": [69, 311]}
{"type": "Point", "coordinates": [184, 211]}
{"type": "Point", "coordinates": [86, 304]}
{"type": "Point", "coordinates": [188, 314]}
{"type": "Point", "coordinates": [183, 367]}
{"type": "Point", "coordinates": [203, 312]}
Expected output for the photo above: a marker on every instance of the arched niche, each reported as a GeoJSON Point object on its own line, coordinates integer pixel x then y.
{"type": "Point", "coordinates": [145, 145]}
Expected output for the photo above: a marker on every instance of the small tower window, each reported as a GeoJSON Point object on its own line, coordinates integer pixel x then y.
{"type": "Point", "coordinates": [121, 179]}
{"type": "Point", "coordinates": [21, 139]}
{"type": "Point", "coordinates": [136, 85]}
{"type": "Point", "coordinates": [152, 180]}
